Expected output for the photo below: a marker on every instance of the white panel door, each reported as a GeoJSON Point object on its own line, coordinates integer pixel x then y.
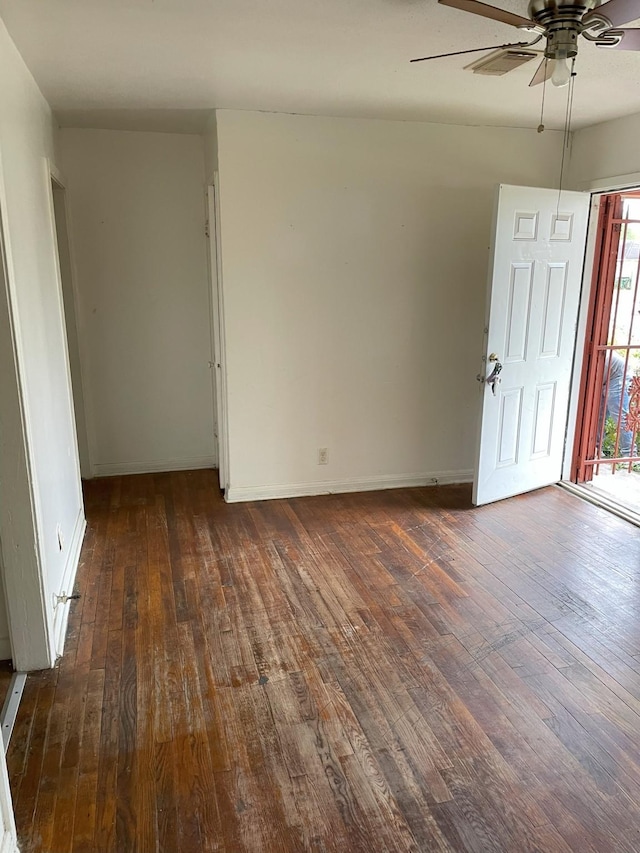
{"type": "Point", "coordinates": [534, 293]}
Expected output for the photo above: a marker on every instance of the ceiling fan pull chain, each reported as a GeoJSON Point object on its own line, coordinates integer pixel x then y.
{"type": "Point", "coordinates": [544, 89]}
{"type": "Point", "coordinates": [571, 91]}
{"type": "Point", "coordinates": [567, 129]}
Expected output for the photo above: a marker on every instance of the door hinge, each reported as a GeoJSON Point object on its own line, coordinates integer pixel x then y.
{"type": "Point", "coordinates": [63, 598]}
{"type": "Point", "coordinates": [207, 231]}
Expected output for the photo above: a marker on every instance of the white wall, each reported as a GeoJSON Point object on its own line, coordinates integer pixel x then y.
{"type": "Point", "coordinates": [354, 258]}
{"type": "Point", "coordinates": [606, 151]}
{"type": "Point", "coordinates": [40, 485]}
{"type": "Point", "coordinates": [137, 210]}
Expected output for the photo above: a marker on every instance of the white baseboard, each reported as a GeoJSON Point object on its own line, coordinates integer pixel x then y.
{"type": "Point", "coordinates": [113, 469]}
{"type": "Point", "coordinates": [237, 494]}
{"type": "Point", "coordinates": [61, 610]}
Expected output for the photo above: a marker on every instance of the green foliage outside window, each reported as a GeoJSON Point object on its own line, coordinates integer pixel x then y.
{"type": "Point", "coordinates": [609, 443]}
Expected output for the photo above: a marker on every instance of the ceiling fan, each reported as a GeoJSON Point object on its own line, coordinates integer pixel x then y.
{"type": "Point", "coordinates": [561, 22]}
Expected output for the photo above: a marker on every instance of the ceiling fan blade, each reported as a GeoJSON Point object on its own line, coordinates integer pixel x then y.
{"type": "Point", "coordinates": [494, 13]}
{"type": "Point", "coordinates": [630, 40]}
{"type": "Point", "coordinates": [545, 70]}
{"type": "Point", "coordinates": [473, 50]}
{"type": "Point", "coordinates": [616, 12]}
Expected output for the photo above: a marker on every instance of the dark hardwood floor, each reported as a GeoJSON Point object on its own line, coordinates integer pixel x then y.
{"type": "Point", "coordinates": [388, 671]}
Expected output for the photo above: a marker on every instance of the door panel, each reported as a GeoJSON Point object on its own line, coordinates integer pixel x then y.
{"type": "Point", "coordinates": [543, 420]}
{"type": "Point", "coordinates": [519, 312]}
{"type": "Point", "coordinates": [553, 310]}
{"type": "Point", "coordinates": [534, 292]}
{"type": "Point", "coordinates": [509, 431]}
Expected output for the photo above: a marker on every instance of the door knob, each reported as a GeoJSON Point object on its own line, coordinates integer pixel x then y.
{"type": "Point", "coordinates": [494, 377]}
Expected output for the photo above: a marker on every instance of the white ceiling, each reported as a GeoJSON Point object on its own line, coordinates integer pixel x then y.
{"type": "Point", "coordinates": [97, 60]}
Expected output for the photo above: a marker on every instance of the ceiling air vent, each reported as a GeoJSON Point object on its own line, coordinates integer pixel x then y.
{"type": "Point", "coordinates": [501, 61]}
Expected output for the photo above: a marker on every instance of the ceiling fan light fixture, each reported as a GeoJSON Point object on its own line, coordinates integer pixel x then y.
{"type": "Point", "coordinates": [561, 71]}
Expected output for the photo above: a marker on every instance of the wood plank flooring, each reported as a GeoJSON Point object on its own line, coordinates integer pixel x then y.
{"type": "Point", "coordinates": [390, 671]}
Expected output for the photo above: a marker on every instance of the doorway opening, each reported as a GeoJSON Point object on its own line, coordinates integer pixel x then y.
{"type": "Point", "coordinates": [535, 284]}
{"type": "Point", "coordinates": [607, 455]}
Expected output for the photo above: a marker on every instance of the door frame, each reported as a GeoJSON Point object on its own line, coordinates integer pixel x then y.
{"type": "Point", "coordinates": [55, 180]}
{"type": "Point", "coordinates": [598, 189]}
{"type": "Point", "coordinates": [218, 341]}
{"type": "Point", "coordinates": [17, 529]}
{"type": "Point", "coordinates": [30, 620]}
{"type": "Point", "coordinates": [524, 473]}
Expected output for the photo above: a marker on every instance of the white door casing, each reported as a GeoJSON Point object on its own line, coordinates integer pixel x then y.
{"type": "Point", "coordinates": [217, 334]}
{"type": "Point", "coordinates": [534, 293]}
{"type": "Point", "coordinates": [8, 834]}
{"type": "Point", "coordinates": [212, 259]}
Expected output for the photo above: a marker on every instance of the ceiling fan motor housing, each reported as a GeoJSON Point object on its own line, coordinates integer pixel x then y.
{"type": "Point", "coordinates": [562, 23]}
{"type": "Point", "coordinates": [562, 40]}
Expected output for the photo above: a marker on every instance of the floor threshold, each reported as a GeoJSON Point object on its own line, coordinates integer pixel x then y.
{"type": "Point", "coordinates": [10, 708]}
{"type": "Point", "coordinates": [602, 500]}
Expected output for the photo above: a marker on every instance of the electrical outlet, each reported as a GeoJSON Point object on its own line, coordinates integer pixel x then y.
{"type": "Point", "coordinates": [60, 538]}
{"type": "Point", "coordinates": [323, 455]}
